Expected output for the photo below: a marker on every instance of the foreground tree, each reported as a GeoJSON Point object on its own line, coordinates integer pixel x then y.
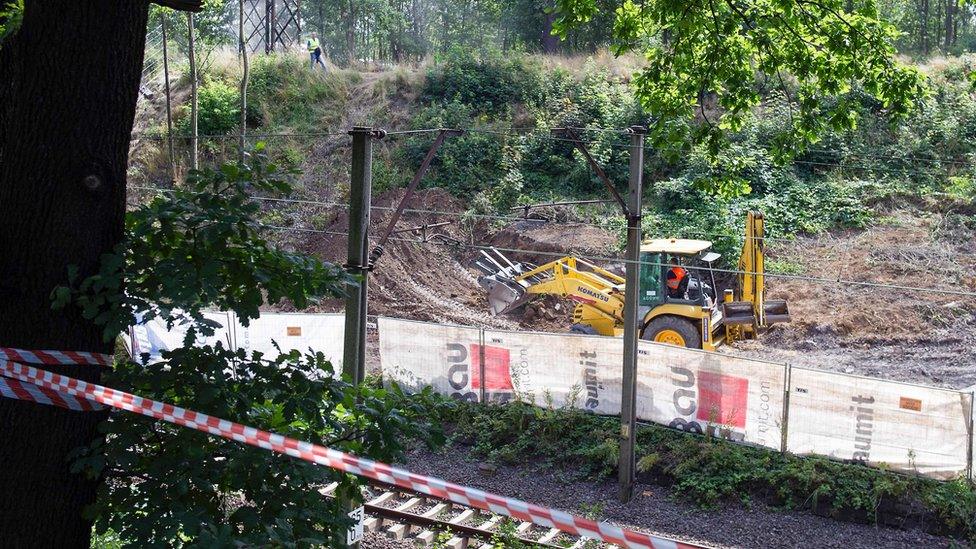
{"type": "Point", "coordinates": [197, 247]}
{"type": "Point", "coordinates": [70, 78]}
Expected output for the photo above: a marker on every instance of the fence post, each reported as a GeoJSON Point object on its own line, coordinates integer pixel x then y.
{"type": "Point", "coordinates": [628, 404]}
{"type": "Point", "coordinates": [969, 448]}
{"type": "Point", "coordinates": [483, 395]}
{"type": "Point", "coordinates": [788, 377]}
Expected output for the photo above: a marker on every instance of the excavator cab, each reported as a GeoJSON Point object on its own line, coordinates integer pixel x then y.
{"type": "Point", "coordinates": [686, 315]}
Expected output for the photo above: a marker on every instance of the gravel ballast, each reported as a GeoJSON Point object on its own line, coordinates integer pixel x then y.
{"type": "Point", "coordinates": [653, 510]}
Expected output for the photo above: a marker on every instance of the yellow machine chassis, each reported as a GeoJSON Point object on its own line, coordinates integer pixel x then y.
{"type": "Point", "coordinates": [608, 325]}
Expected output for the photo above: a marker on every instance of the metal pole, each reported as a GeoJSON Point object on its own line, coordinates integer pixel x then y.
{"type": "Point", "coordinates": [969, 450]}
{"type": "Point", "coordinates": [269, 26]}
{"type": "Point", "coordinates": [628, 403]}
{"type": "Point", "coordinates": [354, 352]}
{"type": "Point", "coordinates": [482, 392]}
{"type": "Point", "coordinates": [169, 109]}
{"type": "Point", "coordinates": [194, 104]}
{"type": "Point", "coordinates": [354, 348]}
{"type": "Point", "coordinates": [785, 442]}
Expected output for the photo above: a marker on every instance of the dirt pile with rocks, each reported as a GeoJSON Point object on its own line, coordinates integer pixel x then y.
{"type": "Point", "coordinates": [901, 334]}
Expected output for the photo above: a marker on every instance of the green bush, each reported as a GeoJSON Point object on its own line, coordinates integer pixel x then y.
{"type": "Point", "coordinates": [706, 470]}
{"type": "Point", "coordinates": [219, 110]}
{"type": "Point", "coordinates": [490, 86]}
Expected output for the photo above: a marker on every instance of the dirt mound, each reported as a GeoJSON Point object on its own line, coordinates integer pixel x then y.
{"type": "Point", "coordinates": [414, 279]}
{"type": "Point", "coordinates": [907, 254]}
{"type": "Point", "coordinates": [437, 282]}
{"type": "Point", "coordinates": [554, 240]}
{"type": "Point", "coordinates": [894, 333]}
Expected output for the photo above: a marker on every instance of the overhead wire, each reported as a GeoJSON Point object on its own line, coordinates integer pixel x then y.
{"type": "Point", "coordinates": [513, 218]}
{"type": "Point", "coordinates": [495, 217]}
{"type": "Point", "coordinates": [156, 137]}
{"type": "Point", "coordinates": [591, 257]}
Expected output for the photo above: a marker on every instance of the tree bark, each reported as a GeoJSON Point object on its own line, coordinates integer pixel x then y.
{"type": "Point", "coordinates": [65, 122]}
{"type": "Point", "coordinates": [948, 38]}
{"type": "Point", "coordinates": [194, 103]}
{"type": "Point", "coordinates": [550, 42]}
{"type": "Point", "coordinates": [923, 17]}
{"type": "Point", "coordinates": [351, 32]}
{"type": "Point", "coordinates": [242, 145]}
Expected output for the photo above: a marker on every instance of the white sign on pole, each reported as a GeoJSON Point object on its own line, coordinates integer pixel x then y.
{"type": "Point", "coordinates": [355, 532]}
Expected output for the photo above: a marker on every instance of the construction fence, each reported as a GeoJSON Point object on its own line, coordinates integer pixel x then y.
{"type": "Point", "coordinates": [904, 427]}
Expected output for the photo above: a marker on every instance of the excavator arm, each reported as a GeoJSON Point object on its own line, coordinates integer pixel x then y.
{"type": "Point", "coordinates": [512, 284]}
{"type": "Point", "coordinates": [753, 310]}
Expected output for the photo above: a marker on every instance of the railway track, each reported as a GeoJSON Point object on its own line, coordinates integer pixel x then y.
{"type": "Point", "coordinates": [406, 515]}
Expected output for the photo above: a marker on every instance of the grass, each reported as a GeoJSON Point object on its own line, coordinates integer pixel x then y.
{"type": "Point", "coordinates": [707, 471]}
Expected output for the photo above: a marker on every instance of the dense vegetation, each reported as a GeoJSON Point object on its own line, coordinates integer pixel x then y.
{"type": "Point", "coordinates": [198, 248]}
{"type": "Point", "coordinates": [401, 30]}
{"type": "Point", "coordinates": [708, 471]}
{"type": "Point", "coordinates": [510, 157]}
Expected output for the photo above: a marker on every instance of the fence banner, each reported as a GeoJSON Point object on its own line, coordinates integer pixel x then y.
{"type": "Point", "coordinates": [318, 332]}
{"type": "Point", "coordinates": [448, 358]}
{"type": "Point", "coordinates": [153, 337]}
{"type": "Point", "coordinates": [908, 427]}
{"type": "Point", "coordinates": [735, 398]}
{"type": "Point", "coordinates": [554, 369]}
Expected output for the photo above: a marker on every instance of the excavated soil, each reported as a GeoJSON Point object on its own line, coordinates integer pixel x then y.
{"type": "Point", "coordinates": [906, 335]}
{"type": "Point", "coordinates": [413, 279]}
{"type": "Point", "coordinates": [899, 334]}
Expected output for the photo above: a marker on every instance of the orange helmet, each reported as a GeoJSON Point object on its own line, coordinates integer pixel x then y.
{"type": "Point", "coordinates": [675, 275]}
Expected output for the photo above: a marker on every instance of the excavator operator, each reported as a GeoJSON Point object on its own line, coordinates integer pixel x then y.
{"type": "Point", "coordinates": [677, 281]}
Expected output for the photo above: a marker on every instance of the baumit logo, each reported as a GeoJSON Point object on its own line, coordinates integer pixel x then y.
{"type": "Point", "coordinates": [709, 400]}
{"type": "Point", "coordinates": [465, 368]}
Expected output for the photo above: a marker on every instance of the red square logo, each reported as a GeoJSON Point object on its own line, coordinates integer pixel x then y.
{"type": "Point", "coordinates": [722, 399]}
{"type": "Point", "coordinates": [498, 375]}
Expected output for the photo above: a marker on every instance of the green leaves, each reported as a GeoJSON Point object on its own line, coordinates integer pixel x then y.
{"type": "Point", "coordinates": [199, 247]}
{"type": "Point", "coordinates": [11, 16]}
{"type": "Point", "coordinates": [708, 60]}
{"type": "Point", "coordinates": [171, 486]}
{"type": "Point", "coordinates": [196, 248]}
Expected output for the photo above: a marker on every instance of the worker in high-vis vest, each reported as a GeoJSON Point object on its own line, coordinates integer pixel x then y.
{"type": "Point", "coordinates": [677, 282]}
{"type": "Point", "coordinates": [315, 52]}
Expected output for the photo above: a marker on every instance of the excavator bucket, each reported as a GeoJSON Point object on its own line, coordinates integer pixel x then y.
{"type": "Point", "coordinates": [775, 311]}
{"type": "Point", "coordinates": [505, 292]}
{"type": "Point", "coordinates": [738, 313]}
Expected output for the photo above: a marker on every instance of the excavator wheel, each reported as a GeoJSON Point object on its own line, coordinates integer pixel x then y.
{"type": "Point", "coordinates": [583, 329]}
{"type": "Point", "coordinates": [672, 330]}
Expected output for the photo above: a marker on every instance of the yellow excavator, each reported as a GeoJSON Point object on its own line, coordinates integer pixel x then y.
{"type": "Point", "coordinates": [692, 315]}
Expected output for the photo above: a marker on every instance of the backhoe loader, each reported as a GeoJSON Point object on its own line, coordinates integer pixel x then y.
{"type": "Point", "coordinates": [693, 315]}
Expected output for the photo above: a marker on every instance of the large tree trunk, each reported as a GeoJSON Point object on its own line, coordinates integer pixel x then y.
{"type": "Point", "coordinates": [65, 118]}
{"type": "Point", "coordinates": [351, 32]}
{"type": "Point", "coordinates": [549, 42]}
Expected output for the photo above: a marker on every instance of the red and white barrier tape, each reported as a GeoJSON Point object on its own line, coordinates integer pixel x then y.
{"type": "Point", "coordinates": [335, 459]}
{"type": "Point", "coordinates": [70, 358]}
{"type": "Point", "coordinates": [19, 390]}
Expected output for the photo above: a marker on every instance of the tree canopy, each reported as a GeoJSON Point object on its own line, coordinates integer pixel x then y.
{"type": "Point", "coordinates": [708, 61]}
